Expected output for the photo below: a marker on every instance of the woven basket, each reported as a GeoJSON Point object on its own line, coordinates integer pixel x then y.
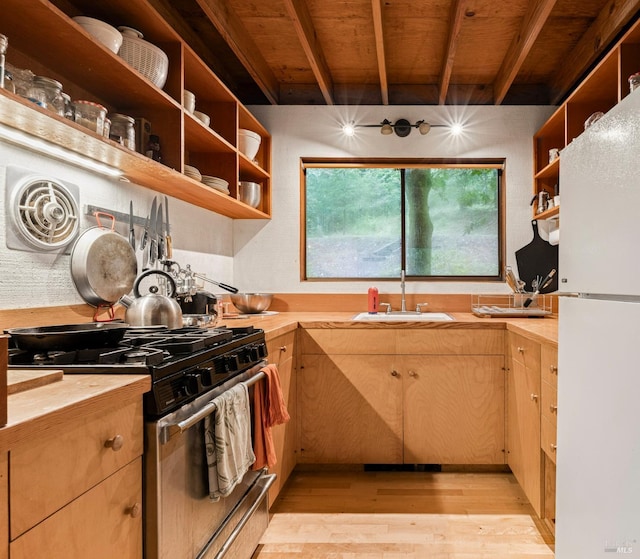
{"type": "Point", "coordinates": [148, 59]}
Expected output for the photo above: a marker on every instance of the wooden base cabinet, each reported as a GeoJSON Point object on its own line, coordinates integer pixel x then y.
{"type": "Point", "coordinates": [75, 491]}
{"type": "Point", "coordinates": [523, 417]}
{"type": "Point", "coordinates": [281, 352]}
{"type": "Point", "coordinates": [548, 438]}
{"type": "Point", "coordinates": [399, 396]}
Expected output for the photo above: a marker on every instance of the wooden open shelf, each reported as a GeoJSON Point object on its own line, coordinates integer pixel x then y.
{"type": "Point", "coordinates": [44, 38]}
{"type": "Point", "coordinates": [603, 88]}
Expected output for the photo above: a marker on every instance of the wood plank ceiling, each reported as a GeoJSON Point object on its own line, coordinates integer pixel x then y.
{"type": "Point", "coordinates": [395, 52]}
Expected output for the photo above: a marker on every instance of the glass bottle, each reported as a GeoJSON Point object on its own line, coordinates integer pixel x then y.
{"type": "Point", "coordinates": [153, 148]}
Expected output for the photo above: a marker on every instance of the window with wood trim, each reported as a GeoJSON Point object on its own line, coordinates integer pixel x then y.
{"type": "Point", "coordinates": [370, 219]}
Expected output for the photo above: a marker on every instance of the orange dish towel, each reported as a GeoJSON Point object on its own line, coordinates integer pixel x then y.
{"type": "Point", "coordinates": [269, 410]}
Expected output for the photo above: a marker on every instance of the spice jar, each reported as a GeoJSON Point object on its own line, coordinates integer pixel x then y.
{"type": "Point", "coordinates": [634, 81]}
{"type": "Point", "coordinates": [123, 130]}
{"type": "Point", "coordinates": [106, 128]}
{"type": "Point", "coordinates": [153, 150]}
{"type": "Point", "coordinates": [68, 106]}
{"type": "Point", "coordinates": [47, 93]}
{"type": "Point", "coordinates": [90, 115]}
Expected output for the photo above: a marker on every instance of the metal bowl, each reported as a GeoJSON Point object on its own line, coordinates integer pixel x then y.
{"type": "Point", "coordinates": [250, 193]}
{"type": "Point", "coordinates": [251, 303]}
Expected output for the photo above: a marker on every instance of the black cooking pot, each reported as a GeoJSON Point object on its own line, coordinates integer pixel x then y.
{"type": "Point", "coordinates": [202, 302]}
{"type": "Point", "coordinates": [66, 337]}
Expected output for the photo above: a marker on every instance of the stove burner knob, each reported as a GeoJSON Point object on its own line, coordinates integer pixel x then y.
{"type": "Point", "coordinates": [254, 353]}
{"type": "Point", "coordinates": [231, 363]}
{"type": "Point", "coordinates": [206, 377]}
{"type": "Point", "coordinates": [191, 384]}
{"type": "Point", "coordinates": [262, 350]}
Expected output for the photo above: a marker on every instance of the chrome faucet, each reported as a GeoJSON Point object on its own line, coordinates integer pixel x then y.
{"type": "Point", "coordinates": [403, 307]}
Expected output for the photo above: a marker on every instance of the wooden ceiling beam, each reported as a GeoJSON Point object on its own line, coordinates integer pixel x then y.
{"type": "Point", "coordinates": [299, 14]}
{"type": "Point", "coordinates": [537, 14]}
{"type": "Point", "coordinates": [456, 18]}
{"type": "Point", "coordinates": [236, 36]}
{"type": "Point", "coordinates": [613, 16]}
{"type": "Point", "coordinates": [376, 6]}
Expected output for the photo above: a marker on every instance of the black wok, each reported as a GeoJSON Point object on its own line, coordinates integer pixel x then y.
{"type": "Point", "coordinates": [66, 337]}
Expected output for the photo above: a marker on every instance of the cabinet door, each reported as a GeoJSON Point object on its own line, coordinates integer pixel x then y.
{"type": "Point", "coordinates": [523, 420]}
{"type": "Point", "coordinates": [350, 409]}
{"type": "Point", "coordinates": [281, 352]}
{"type": "Point", "coordinates": [104, 523]}
{"type": "Point", "coordinates": [454, 409]}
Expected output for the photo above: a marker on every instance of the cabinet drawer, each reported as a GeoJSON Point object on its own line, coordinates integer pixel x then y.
{"type": "Point", "coordinates": [548, 439]}
{"type": "Point", "coordinates": [441, 341]}
{"type": "Point", "coordinates": [549, 364]}
{"type": "Point", "coordinates": [281, 348]}
{"type": "Point", "coordinates": [348, 341]}
{"type": "Point", "coordinates": [103, 523]}
{"type": "Point", "coordinates": [549, 402]}
{"type": "Point", "coordinates": [50, 471]}
{"type": "Point", "coordinates": [524, 351]}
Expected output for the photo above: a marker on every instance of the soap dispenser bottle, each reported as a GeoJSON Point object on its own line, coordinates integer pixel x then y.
{"type": "Point", "coordinates": [373, 300]}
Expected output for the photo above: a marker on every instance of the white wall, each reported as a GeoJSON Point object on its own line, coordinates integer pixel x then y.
{"type": "Point", "coordinates": [29, 279]}
{"type": "Point", "coordinates": [263, 255]}
{"type": "Point", "coordinates": [267, 254]}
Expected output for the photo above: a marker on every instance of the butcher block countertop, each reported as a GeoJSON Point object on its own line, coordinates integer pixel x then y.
{"type": "Point", "coordinates": [539, 329]}
{"type": "Point", "coordinates": [69, 400]}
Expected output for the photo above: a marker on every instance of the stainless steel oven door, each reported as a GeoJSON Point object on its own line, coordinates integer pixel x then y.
{"type": "Point", "coordinates": [181, 522]}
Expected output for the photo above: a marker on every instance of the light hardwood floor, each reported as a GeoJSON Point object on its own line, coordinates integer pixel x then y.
{"type": "Point", "coordinates": [393, 515]}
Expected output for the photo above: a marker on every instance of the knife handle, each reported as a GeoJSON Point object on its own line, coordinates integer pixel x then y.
{"type": "Point", "coordinates": [168, 247]}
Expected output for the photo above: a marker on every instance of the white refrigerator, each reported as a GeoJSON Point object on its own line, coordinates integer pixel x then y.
{"type": "Point", "coordinates": [598, 445]}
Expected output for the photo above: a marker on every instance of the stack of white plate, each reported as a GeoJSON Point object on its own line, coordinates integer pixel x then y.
{"type": "Point", "coordinates": [192, 173]}
{"type": "Point", "coordinates": [217, 183]}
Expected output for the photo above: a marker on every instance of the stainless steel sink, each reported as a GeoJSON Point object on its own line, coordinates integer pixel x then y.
{"type": "Point", "coordinates": [408, 316]}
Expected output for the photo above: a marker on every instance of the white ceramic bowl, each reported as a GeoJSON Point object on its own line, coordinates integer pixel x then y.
{"type": "Point", "coordinates": [188, 101]}
{"type": "Point", "coordinates": [102, 32]}
{"type": "Point", "coordinates": [248, 143]}
{"type": "Point", "coordinates": [250, 193]}
{"type": "Point", "coordinates": [205, 119]}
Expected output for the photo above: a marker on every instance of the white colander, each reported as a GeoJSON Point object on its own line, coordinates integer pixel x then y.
{"type": "Point", "coordinates": [148, 59]}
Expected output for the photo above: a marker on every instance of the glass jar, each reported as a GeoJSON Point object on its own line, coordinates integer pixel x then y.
{"type": "Point", "coordinates": [123, 130]}
{"type": "Point", "coordinates": [634, 81]}
{"type": "Point", "coordinates": [68, 106]}
{"type": "Point", "coordinates": [106, 129]}
{"type": "Point", "coordinates": [47, 93]}
{"type": "Point", "coordinates": [22, 79]}
{"type": "Point", "coordinates": [90, 115]}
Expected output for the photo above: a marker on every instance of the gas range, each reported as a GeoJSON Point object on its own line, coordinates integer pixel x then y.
{"type": "Point", "coordinates": [183, 363]}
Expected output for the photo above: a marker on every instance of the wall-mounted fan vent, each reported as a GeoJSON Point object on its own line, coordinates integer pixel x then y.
{"type": "Point", "coordinates": [44, 214]}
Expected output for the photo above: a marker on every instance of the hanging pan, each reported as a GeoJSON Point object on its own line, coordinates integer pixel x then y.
{"type": "Point", "coordinates": [103, 264]}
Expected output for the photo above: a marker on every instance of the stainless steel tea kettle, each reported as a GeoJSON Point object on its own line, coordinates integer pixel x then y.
{"type": "Point", "coordinates": [152, 307]}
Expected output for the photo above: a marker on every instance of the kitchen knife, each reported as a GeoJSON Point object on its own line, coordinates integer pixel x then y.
{"type": "Point", "coordinates": [167, 231]}
{"type": "Point", "coordinates": [153, 238]}
{"type": "Point", "coordinates": [544, 283]}
{"type": "Point", "coordinates": [132, 233]}
{"type": "Point", "coordinates": [159, 234]}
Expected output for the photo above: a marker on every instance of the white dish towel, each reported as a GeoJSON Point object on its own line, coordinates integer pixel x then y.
{"type": "Point", "coordinates": [227, 437]}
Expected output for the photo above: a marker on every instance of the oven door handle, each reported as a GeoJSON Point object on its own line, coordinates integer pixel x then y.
{"type": "Point", "coordinates": [266, 480]}
{"type": "Point", "coordinates": [181, 426]}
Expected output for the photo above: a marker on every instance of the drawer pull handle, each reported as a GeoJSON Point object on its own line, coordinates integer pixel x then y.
{"type": "Point", "coordinates": [553, 369]}
{"type": "Point", "coordinates": [135, 510]}
{"type": "Point", "coordinates": [394, 373]}
{"type": "Point", "coordinates": [520, 349]}
{"type": "Point", "coordinates": [534, 397]}
{"type": "Point", "coordinates": [553, 407]}
{"type": "Point", "coordinates": [283, 348]}
{"type": "Point", "coordinates": [413, 374]}
{"type": "Point", "coordinates": [553, 446]}
{"type": "Point", "coordinates": [115, 443]}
